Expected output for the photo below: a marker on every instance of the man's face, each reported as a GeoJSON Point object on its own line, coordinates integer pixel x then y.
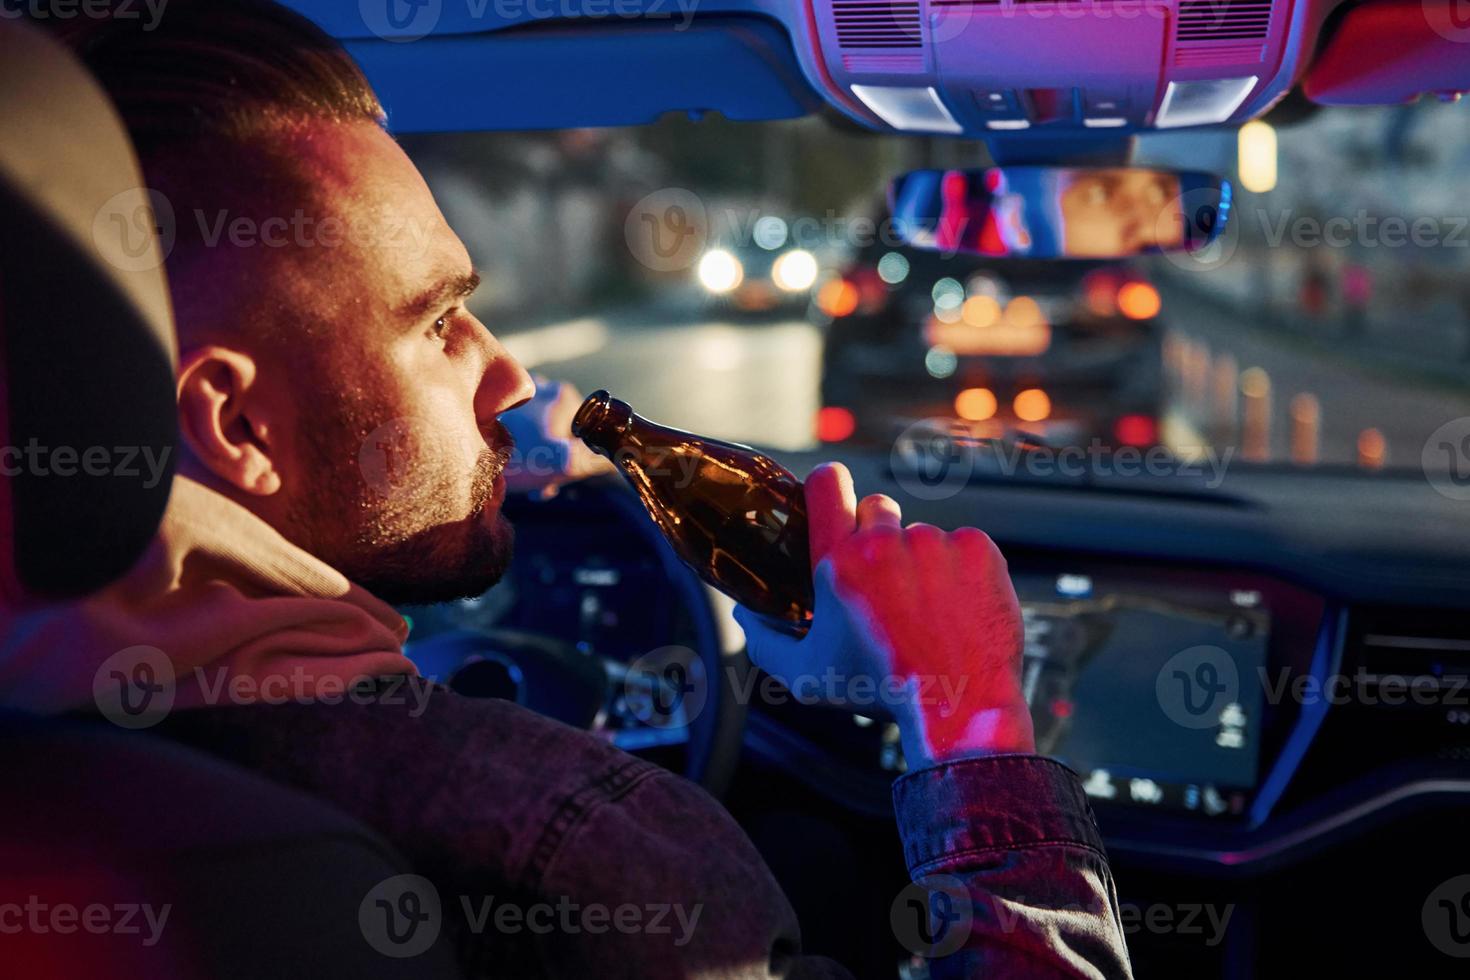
{"type": "Point", "coordinates": [391, 455]}
{"type": "Point", "coordinates": [1120, 212]}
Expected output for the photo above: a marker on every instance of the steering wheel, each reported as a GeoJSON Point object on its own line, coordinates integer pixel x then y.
{"type": "Point", "coordinates": [598, 624]}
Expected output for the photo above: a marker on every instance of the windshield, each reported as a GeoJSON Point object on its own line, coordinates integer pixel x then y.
{"type": "Point", "coordinates": [741, 280]}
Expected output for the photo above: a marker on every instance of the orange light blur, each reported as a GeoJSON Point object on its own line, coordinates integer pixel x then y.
{"type": "Point", "coordinates": [1031, 405]}
{"type": "Point", "coordinates": [985, 330]}
{"type": "Point", "coordinates": [1024, 312]}
{"type": "Point", "coordinates": [835, 423]}
{"type": "Point", "coordinates": [1139, 301]}
{"type": "Point", "coordinates": [975, 404]}
{"type": "Point", "coordinates": [980, 311]}
{"type": "Point", "coordinates": [838, 297]}
{"type": "Point", "coordinates": [1372, 449]}
{"type": "Point", "coordinates": [1255, 383]}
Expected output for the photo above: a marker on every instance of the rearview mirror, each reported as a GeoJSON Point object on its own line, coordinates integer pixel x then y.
{"type": "Point", "coordinates": [1059, 212]}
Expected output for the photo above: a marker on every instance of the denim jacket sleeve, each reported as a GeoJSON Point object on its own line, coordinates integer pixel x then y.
{"type": "Point", "coordinates": [1009, 859]}
{"type": "Point", "coordinates": [617, 868]}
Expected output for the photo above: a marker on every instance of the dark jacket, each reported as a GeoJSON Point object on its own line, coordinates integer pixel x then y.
{"type": "Point", "coordinates": [549, 852]}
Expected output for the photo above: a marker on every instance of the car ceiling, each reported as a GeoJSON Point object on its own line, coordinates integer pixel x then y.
{"type": "Point", "coordinates": [474, 64]}
{"type": "Point", "coordinates": [1034, 78]}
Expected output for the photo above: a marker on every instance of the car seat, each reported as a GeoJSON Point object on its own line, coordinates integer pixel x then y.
{"type": "Point", "coordinates": [121, 854]}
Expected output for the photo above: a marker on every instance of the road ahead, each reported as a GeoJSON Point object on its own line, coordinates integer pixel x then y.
{"type": "Point", "coordinates": [1353, 391]}
{"type": "Point", "coordinates": [756, 381]}
{"type": "Point", "coordinates": [747, 381]}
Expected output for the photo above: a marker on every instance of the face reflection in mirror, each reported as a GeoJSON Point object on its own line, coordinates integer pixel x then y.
{"type": "Point", "coordinates": [1120, 211]}
{"type": "Point", "coordinates": [1059, 212]}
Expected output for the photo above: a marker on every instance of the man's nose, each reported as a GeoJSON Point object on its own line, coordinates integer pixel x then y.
{"type": "Point", "coordinates": [503, 386]}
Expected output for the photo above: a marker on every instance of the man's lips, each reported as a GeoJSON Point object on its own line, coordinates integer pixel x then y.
{"type": "Point", "coordinates": [493, 462]}
{"type": "Point", "coordinates": [489, 513]}
{"type": "Point", "coordinates": [498, 439]}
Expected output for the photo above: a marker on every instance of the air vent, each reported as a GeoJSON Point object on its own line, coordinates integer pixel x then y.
{"type": "Point", "coordinates": [1431, 645]}
{"type": "Point", "coordinates": [1204, 21]}
{"type": "Point", "coordinates": [877, 24]}
{"type": "Point", "coordinates": [1403, 691]}
{"type": "Point", "coordinates": [883, 64]}
{"type": "Point", "coordinates": [1210, 55]}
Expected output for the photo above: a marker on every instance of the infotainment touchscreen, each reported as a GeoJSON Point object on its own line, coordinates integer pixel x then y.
{"type": "Point", "coordinates": [1151, 688]}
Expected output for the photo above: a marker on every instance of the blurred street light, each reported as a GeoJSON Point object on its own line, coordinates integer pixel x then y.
{"type": "Point", "coordinates": [795, 270]}
{"type": "Point", "coordinates": [719, 271]}
{"type": "Point", "coordinates": [1256, 156]}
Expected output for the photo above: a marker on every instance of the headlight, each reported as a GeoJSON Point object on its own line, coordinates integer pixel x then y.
{"type": "Point", "coordinates": [719, 271]}
{"type": "Point", "coordinates": [795, 271]}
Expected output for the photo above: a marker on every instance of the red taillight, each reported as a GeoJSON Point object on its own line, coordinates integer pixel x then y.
{"type": "Point", "coordinates": [834, 424]}
{"type": "Point", "coordinates": [1100, 292]}
{"type": "Point", "coordinates": [1109, 292]}
{"type": "Point", "coordinates": [872, 290]}
{"type": "Point", "coordinates": [1136, 430]}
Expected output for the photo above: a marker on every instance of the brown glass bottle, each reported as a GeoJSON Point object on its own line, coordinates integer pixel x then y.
{"type": "Point", "coordinates": [735, 516]}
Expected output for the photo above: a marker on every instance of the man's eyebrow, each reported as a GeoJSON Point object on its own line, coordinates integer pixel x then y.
{"type": "Point", "coordinates": [431, 300]}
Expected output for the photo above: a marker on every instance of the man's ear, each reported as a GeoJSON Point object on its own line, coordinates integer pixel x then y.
{"type": "Point", "coordinates": [225, 419]}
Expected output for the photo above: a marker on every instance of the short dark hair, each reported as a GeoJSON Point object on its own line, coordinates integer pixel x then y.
{"type": "Point", "coordinates": [202, 92]}
{"type": "Point", "coordinates": [220, 69]}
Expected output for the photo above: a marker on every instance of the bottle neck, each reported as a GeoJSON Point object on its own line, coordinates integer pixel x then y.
{"type": "Point", "coordinates": [603, 422]}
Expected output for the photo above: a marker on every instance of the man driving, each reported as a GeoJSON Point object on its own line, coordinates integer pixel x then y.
{"type": "Point", "coordinates": [302, 357]}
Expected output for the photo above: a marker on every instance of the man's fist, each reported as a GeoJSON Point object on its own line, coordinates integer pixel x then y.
{"type": "Point", "coordinates": [914, 622]}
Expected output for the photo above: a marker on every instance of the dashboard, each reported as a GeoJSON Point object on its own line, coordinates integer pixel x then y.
{"type": "Point", "coordinates": [1241, 679]}
{"type": "Point", "coordinates": [1171, 689]}
{"type": "Point", "coordinates": [1152, 685]}
{"type": "Point", "coordinates": [1264, 689]}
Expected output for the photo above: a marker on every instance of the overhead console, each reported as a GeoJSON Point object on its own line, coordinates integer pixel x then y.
{"type": "Point", "coordinates": [1043, 69]}
{"type": "Point", "coordinates": [1038, 78]}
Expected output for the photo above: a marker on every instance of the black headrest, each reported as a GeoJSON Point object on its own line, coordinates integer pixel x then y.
{"type": "Point", "coordinates": [88, 427]}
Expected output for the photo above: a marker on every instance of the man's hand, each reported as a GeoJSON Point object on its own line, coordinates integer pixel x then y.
{"type": "Point", "coordinates": [921, 622]}
{"type": "Point", "coordinates": [547, 456]}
